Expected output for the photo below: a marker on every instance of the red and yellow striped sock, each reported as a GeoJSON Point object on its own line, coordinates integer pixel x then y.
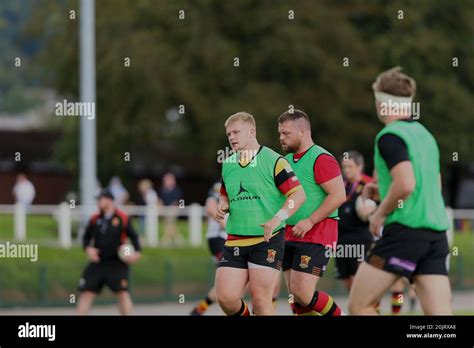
{"type": "Point", "coordinates": [301, 310]}
{"type": "Point", "coordinates": [202, 306]}
{"type": "Point", "coordinates": [325, 305]}
{"type": "Point", "coordinates": [397, 302]}
{"type": "Point", "coordinates": [243, 311]}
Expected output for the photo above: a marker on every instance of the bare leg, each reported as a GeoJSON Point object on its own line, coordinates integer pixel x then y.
{"type": "Point", "coordinates": [399, 285]}
{"type": "Point", "coordinates": [262, 282]}
{"type": "Point", "coordinates": [368, 287]}
{"type": "Point", "coordinates": [230, 285]}
{"type": "Point", "coordinates": [434, 293]}
{"type": "Point", "coordinates": [125, 302]}
{"type": "Point", "coordinates": [303, 286]}
{"type": "Point", "coordinates": [276, 291]}
{"type": "Point", "coordinates": [212, 294]}
{"type": "Point", "coordinates": [85, 302]}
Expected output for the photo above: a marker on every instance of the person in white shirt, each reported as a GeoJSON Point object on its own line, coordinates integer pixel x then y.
{"type": "Point", "coordinates": [23, 191]}
{"type": "Point", "coordinates": [148, 197]}
{"type": "Point", "coordinates": [148, 194]}
{"type": "Point", "coordinates": [119, 191]}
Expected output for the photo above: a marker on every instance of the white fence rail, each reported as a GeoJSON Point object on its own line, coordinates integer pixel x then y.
{"type": "Point", "coordinates": [64, 215]}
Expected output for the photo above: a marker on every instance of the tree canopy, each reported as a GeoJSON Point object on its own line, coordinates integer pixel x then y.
{"type": "Point", "coordinates": [282, 61]}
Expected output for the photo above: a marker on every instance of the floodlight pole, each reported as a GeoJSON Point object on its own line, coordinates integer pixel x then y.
{"type": "Point", "coordinates": [88, 166]}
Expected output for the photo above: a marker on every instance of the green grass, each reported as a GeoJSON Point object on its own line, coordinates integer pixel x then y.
{"type": "Point", "coordinates": [162, 274]}
{"type": "Point", "coordinates": [41, 228]}
{"type": "Point", "coordinates": [462, 260]}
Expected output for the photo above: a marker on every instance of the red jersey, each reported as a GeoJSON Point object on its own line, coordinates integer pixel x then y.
{"type": "Point", "coordinates": [325, 231]}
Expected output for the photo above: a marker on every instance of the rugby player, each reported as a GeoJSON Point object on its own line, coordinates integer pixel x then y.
{"type": "Point", "coordinates": [312, 231]}
{"type": "Point", "coordinates": [353, 230]}
{"type": "Point", "coordinates": [260, 191]}
{"type": "Point", "coordinates": [106, 232]}
{"type": "Point", "coordinates": [216, 237]}
{"type": "Point", "coordinates": [411, 214]}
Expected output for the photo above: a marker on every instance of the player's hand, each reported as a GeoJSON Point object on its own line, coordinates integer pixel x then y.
{"type": "Point", "coordinates": [93, 254]}
{"type": "Point", "coordinates": [376, 223]}
{"type": "Point", "coordinates": [134, 257]}
{"type": "Point", "coordinates": [222, 209]}
{"type": "Point", "coordinates": [269, 227]}
{"type": "Point", "coordinates": [302, 227]}
{"type": "Point", "coordinates": [371, 191]}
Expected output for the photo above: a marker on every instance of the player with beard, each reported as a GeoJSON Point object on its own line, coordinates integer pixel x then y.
{"type": "Point", "coordinates": [312, 231]}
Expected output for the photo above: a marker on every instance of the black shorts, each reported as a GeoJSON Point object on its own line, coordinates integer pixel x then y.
{"type": "Point", "coordinates": [347, 266]}
{"type": "Point", "coordinates": [216, 247]}
{"type": "Point", "coordinates": [306, 257]}
{"type": "Point", "coordinates": [263, 254]}
{"type": "Point", "coordinates": [113, 273]}
{"type": "Point", "coordinates": [407, 251]}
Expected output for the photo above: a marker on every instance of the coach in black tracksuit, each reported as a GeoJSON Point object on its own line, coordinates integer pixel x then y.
{"type": "Point", "coordinates": [106, 232]}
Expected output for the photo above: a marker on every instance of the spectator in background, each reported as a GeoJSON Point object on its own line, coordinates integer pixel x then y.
{"type": "Point", "coordinates": [170, 195]}
{"type": "Point", "coordinates": [148, 197]}
{"type": "Point", "coordinates": [147, 193]}
{"type": "Point", "coordinates": [23, 191]}
{"type": "Point", "coordinates": [119, 192]}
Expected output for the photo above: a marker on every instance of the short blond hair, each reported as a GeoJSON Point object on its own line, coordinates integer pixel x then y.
{"type": "Point", "coordinates": [240, 116]}
{"type": "Point", "coordinates": [144, 185]}
{"type": "Point", "coordinates": [394, 82]}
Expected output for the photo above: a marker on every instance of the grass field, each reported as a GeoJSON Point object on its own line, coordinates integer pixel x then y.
{"type": "Point", "coordinates": [44, 228]}
{"type": "Point", "coordinates": [161, 275]}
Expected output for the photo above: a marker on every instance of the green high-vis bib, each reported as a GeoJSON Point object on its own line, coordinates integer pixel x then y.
{"type": "Point", "coordinates": [315, 195]}
{"type": "Point", "coordinates": [424, 208]}
{"type": "Point", "coordinates": [253, 196]}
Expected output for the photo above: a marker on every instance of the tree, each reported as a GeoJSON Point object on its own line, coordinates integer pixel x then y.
{"type": "Point", "coordinates": [281, 62]}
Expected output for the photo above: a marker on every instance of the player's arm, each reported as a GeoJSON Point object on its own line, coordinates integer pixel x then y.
{"type": "Point", "coordinates": [211, 209]}
{"type": "Point", "coordinates": [395, 153]}
{"type": "Point", "coordinates": [92, 253]}
{"type": "Point", "coordinates": [223, 205]}
{"type": "Point", "coordinates": [336, 196]}
{"type": "Point", "coordinates": [327, 175]}
{"type": "Point", "coordinates": [293, 202]}
{"type": "Point", "coordinates": [288, 184]}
